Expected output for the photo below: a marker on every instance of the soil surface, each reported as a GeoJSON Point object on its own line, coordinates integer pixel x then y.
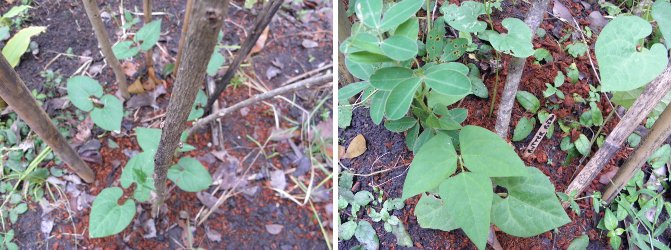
{"type": "Point", "coordinates": [255, 217]}
{"type": "Point", "coordinates": [387, 153]}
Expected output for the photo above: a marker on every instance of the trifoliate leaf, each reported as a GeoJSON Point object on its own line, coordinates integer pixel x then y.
{"type": "Point", "coordinates": [400, 98]}
{"type": "Point", "coordinates": [399, 48]}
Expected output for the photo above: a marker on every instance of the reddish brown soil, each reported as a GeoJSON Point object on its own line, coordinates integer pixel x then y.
{"type": "Point", "coordinates": [387, 150]}
{"type": "Point", "coordinates": [244, 217]}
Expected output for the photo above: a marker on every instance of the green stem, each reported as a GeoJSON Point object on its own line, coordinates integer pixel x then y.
{"type": "Point", "coordinates": [496, 87]}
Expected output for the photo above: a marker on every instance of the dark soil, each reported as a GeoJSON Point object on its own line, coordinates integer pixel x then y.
{"type": "Point", "coordinates": [387, 150]}
{"type": "Point", "coordinates": [242, 219]}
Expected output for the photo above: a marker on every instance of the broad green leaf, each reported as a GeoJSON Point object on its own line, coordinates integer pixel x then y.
{"type": "Point", "coordinates": [435, 40]}
{"type": "Point", "coordinates": [577, 49]}
{"type": "Point", "coordinates": [377, 106]}
{"type": "Point", "coordinates": [660, 157]}
{"type": "Point", "coordinates": [582, 144]}
{"type": "Point", "coordinates": [622, 66]}
{"type": "Point", "coordinates": [139, 170]}
{"type": "Point", "coordinates": [18, 44]}
{"type": "Point", "coordinates": [458, 115]}
{"type": "Point", "coordinates": [531, 207]}
{"type": "Point", "coordinates": [409, 29]}
{"type": "Point", "coordinates": [346, 230]}
{"type": "Point", "coordinates": [425, 136]}
{"type": "Point", "coordinates": [344, 115]}
{"type": "Point", "coordinates": [369, 12]}
{"type": "Point", "coordinates": [454, 49]}
{"type": "Point", "coordinates": [362, 71]}
{"type": "Point", "coordinates": [400, 98]}
{"type": "Point", "coordinates": [435, 162]}
{"type": "Point", "coordinates": [364, 41]}
{"type": "Point", "coordinates": [108, 117]}
{"type": "Point", "coordinates": [411, 137]}
{"type": "Point", "coordinates": [190, 175]}
{"type": "Point", "coordinates": [528, 101]}
{"type": "Point", "coordinates": [431, 213]}
{"type": "Point", "coordinates": [125, 50]}
{"type": "Point", "coordinates": [403, 239]}
{"type": "Point", "coordinates": [609, 220]}
{"type": "Point", "coordinates": [197, 110]}
{"type": "Point", "coordinates": [388, 78]}
{"type": "Point", "coordinates": [362, 198]}
{"type": "Point", "coordinates": [579, 243]}
{"type": "Point", "coordinates": [400, 125]}
{"type": "Point", "coordinates": [148, 35]}
{"type": "Point", "coordinates": [486, 153]}
{"type": "Point", "coordinates": [524, 128]}
{"type": "Point", "coordinates": [434, 98]}
{"type": "Point", "coordinates": [661, 12]}
{"type": "Point", "coordinates": [216, 61]}
{"type": "Point", "coordinates": [468, 198]}
{"type": "Point", "coordinates": [365, 233]}
{"type": "Point", "coordinates": [350, 90]}
{"type": "Point", "coordinates": [445, 80]}
{"type": "Point", "coordinates": [517, 42]}
{"type": "Point", "coordinates": [465, 17]}
{"type": "Point", "coordinates": [107, 216]}
{"type": "Point", "coordinates": [559, 79]}
{"type": "Point", "coordinates": [443, 123]}
{"type": "Point", "coordinates": [148, 139]}
{"type": "Point", "coordinates": [368, 58]}
{"type": "Point", "coordinates": [478, 87]}
{"type": "Point", "coordinates": [16, 10]}
{"type": "Point", "coordinates": [399, 48]}
{"type": "Point", "coordinates": [399, 13]}
{"type": "Point", "coordinates": [81, 89]}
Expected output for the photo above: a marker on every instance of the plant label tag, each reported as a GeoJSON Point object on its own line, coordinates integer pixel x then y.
{"type": "Point", "coordinates": [538, 137]}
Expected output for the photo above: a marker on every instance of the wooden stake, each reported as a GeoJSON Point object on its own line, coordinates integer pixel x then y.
{"type": "Point", "coordinates": [208, 17]}
{"type": "Point", "coordinates": [17, 95]}
{"type": "Point", "coordinates": [93, 13]}
{"type": "Point", "coordinates": [344, 30]}
{"type": "Point", "coordinates": [182, 38]}
{"type": "Point", "coordinates": [653, 93]}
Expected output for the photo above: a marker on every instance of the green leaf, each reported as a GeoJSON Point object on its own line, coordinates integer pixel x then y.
{"type": "Point", "coordinates": [597, 117]}
{"type": "Point", "coordinates": [399, 48]}
{"type": "Point", "coordinates": [409, 29]}
{"type": "Point", "coordinates": [622, 67]}
{"type": "Point", "coordinates": [444, 79]}
{"type": "Point", "coordinates": [364, 41]}
{"type": "Point", "coordinates": [579, 243]}
{"type": "Point", "coordinates": [15, 11]}
{"type": "Point", "coordinates": [400, 98]}
{"type": "Point", "coordinates": [190, 175]}
{"type": "Point", "coordinates": [433, 163]}
{"type": "Point", "coordinates": [609, 220]}
{"type": "Point", "coordinates": [148, 35]}
{"type": "Point", "coordinates": [531, 207]}
{"type": "Point", "coordinates": [524, 128]}
{"type": "Point", "coordinates": [582, 144]}
{"type": "Point", "coordinates": [486, 153]}
{"type": "Point", "coordinates": [377, 106]}
{"type": "Point", "coordinates": [110, 115]}
{"type": "Point", "coordinates": [80, 89]}
{"type": "Point", "coordinates": [362, 198]}
{"type": "Point", "coordinates": [148, 138]}
{"type": "Point", "coordinates": [517, 42]}
{"type": "Point", "coordinates": [124, 50]}
{"type": "Point", "coordinates": [577, 49]}
{"type": "Point", "coordinates": [139, 170]}
{"type": "Point", "coordinates": [661, 12]}
{"type": "Point", "coordinates": [435, 40]}
{"type": "Point", "coordinates": [107, 216]}
{"type": "Point", "coordinates": [402, 237]}
{"type": "Point", "coordinates": [344, 115]}
{"type": "Point", "coordinates": [18, 44]}
{"type": "Point", "coordinates": [559, 79]}
{"type": "Point", "coordinates": [399, 13]}
{"type": "Point", "coordinates": [388, 78]}
{"type": "Point", "coordinates": [454, 49]}
{"type": "Point", "coordinates": [365, 233]}
{"type": "Point", "coordinates": [362, 71]}
{"type": "Point", "coordinates": [369, 12]}
{"type": "Point", "coordinates": [346, 230]}
{"type": "Point", "coordinates": [368, 57]}
{"type": "Point", "coordinates": [197, 110]}
{"type": "Point", "coordinates": [400, 125]}
{"type": "Point", "coordinates": [660, 157]}
{"type": "Point", "coordinates": [216, 61]}
{"type": "Point", "coordinates": [573, 73]}
{"type": "Point", "coordinates": [528, 101]}
{"type": "Point", "coordinates": [350, 90]}
{"type": "Point", "coordinates": [431, 213]}
{"type": "Point", "coordinates": [465, 17]}
{"type": "Point", "coordinates": [468, 198]}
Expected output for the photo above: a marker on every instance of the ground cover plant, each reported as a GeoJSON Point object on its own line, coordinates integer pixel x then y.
{"type": "Point", "coordinates": [268, 161]}
{"type": "Point", "coordinates": [427, 76]}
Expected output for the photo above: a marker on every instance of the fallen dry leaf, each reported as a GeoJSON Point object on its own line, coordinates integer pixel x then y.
{"type": "Point", "coordinates": [136, 87]}
{"type": "Point", "coordinates": [129, 68]}
{"type": "Point", "coordinates": [341, 152]}
{"type": "Point", "coordinates": [261, 42]}
{"type": "Point", "coordinates": [356, 147]}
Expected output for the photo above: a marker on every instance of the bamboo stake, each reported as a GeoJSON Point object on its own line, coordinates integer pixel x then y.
{"type": "Point", "coordinates": [658, 134]}
{"type": "Point", "coordinates": [93, 13]}
{"type": "Point", "coordinates": [17, 95]}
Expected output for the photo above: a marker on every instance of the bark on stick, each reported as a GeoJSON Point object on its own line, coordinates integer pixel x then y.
{"type": "Point", "coordinates": [653, 93]}
{"type": "Point", "coordinates": [207, 19]}
{"type": "Point", "coordinates": [182, 38]}
{"type": "Point", "coordinates": [515, 70]}
{"type": "Point", "coordinates": [344, 30]}
{"type": "Point", "coordinates": [17, 95]}
{"type": "Point", "coordinates": [93, 13]}
{"type": "Point", "coordinates": [260, 24]}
